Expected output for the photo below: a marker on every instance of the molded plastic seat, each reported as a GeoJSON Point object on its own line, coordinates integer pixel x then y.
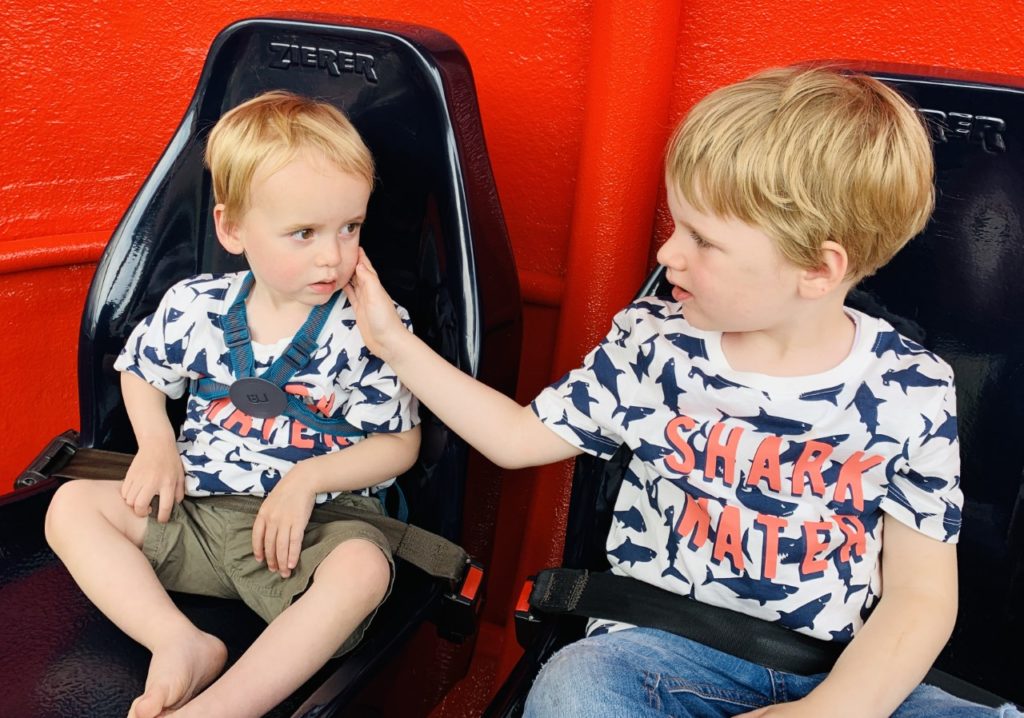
{"type": "Point", "coordinates": [434, 231]}
{"type": "Point", "coordinates": [957, 289]}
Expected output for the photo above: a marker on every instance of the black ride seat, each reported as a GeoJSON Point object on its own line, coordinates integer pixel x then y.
{"type": "Point", "coordinates": [434, 231]}
{"type": "Point", "coordinates": [957, 289]}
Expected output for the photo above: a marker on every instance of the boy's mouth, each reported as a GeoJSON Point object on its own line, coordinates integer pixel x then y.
{"type": "Point", "coordinates": [680, 294]}
{"type": "Point", "coordinates": [326, 287]}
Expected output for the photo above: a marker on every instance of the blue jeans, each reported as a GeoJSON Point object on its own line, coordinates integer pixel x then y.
{"type": "Point", "coordinates": [643, 673]}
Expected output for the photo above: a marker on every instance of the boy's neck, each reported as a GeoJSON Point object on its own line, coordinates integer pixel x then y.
{"type": "Point", "coordinates": [269, 321]}
{"type": "Point", "coordinates": [803, 345]}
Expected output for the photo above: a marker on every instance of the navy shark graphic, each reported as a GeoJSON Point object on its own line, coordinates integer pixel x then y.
{"type": "Point", "coordinates": [210, 481]}
{"type": "Point", "coordinates": [607, 373]}
{"type": "Point", "coordinates": [867, 408]}
{"type": "Point", "coordinates": [340, 363]}
{"type": "Point", "coordinates": [694, 347]}
{"type": "Point", "coordinates": [794, 449]}
{"type": "Point", "coordinates": [777, 425]}
{"type": "Point", "coordinates": [199, 365]}
{"type": "Point", "coordinates": [754, 500]}
{"type": "Point", "coordinates": [803, 617]}
{"type": "Point", "coordinates": [631, 553]}
{"type": "Point", "coordinates": [631, 413]}
{"type": "Point", "coordinates": [911, 377]}
{"type": "Point", "coordinates": [670, 390]}
{"type": "Point", "coordinates": [590, 441]}
{"type": "Point", "coordinates": [630, 477]}
{"type": "Point", "coordinates": [893, 341]}
{"type": "Point", "coordinates": [655, 310]}
{"type": "Point", "coordinates": [631, 519]}
{"type": "Point", "coordinates": [651, 488]}
{"type": "Point", "coordinates": [580, 397]}
{"type": "Point", "coordinates": [752, 589]}
{"type": "Point", "coordinates": [371, 395]}
{"type": "Point", "coordinates": [172, 315]}
{"type": "Point", "coordinates": [897, 495]}
{"type": "Point", "coordinates": [713, 380]}
{"type": "Point", "coordinates": [843, 635]}
{"type": "Point", "coordinates": [946, 430]}
{"type": "Point", "coordinates": [642, 366]}
{"type": "Point", "coordinates": [792, 550]}
{"type": "Point", "coordinates": [951, 518]}
{"type": "Point", "coordinates": [650, 452]}
{"type": "Point", "coordinates": [931, 484]}
{"type": "Point", "coordinates": [829, 394]}
{"type": "Point", "coordinates": [672, 547]}
{"type": "Point", "coordinates": [373, 363]}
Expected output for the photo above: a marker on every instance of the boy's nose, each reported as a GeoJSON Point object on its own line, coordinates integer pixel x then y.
{"type": "Point", "coordinates": [329, 253]}
{"type": "Point", "coordinates": [670, 253]}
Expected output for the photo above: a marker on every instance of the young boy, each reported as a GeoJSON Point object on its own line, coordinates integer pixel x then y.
{"type": "Point", "coordinates": [777, 435]}
{"type": "Point", "coordinates": [329, 423]}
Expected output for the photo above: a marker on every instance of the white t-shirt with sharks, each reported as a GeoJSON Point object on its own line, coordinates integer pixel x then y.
{"type": "Point", "coordinates": [223, 449]}
{"type": "Point", "coordinates": [757, 493]}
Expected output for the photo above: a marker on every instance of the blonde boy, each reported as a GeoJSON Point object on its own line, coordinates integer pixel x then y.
{"type": "Point", "coordinates": [233, 496]}
{"type": "Point", "coordinates": [777, 435]}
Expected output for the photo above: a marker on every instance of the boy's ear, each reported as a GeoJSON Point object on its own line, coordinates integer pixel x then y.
{"type": "Point", "coordinates": [227, 232]}
{"type": "Point", "coordinates": [831, 273]}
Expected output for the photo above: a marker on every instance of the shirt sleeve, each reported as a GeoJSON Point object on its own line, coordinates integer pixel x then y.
{"type": "Point", "coordinates": [155, 350]}
{"type": "Point", "coordinates": [378, 402]}
{"type": "Point", "coordinates": [586, 407]}
{"type": "Point", "coordinates": [924, 491]}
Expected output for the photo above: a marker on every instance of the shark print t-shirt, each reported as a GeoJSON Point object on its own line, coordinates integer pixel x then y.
{"type": "Point", "coordinates": [757, 493]}
{"type": "Point", "coordinates": [224, 450]}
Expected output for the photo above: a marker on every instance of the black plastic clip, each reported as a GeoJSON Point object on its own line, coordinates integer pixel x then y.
{"type": "Point", "coordinates": [527, 622]}
{"type": "Point", "coordinates": [53, 457]}
{"type": "Point", "coordinates": [461, 607]}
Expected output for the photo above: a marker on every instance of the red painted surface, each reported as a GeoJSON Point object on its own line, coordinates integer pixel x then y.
{"type": "Point", "coordinates": [576, 99]}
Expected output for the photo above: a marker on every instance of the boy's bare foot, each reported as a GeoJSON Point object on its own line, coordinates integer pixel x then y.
{"type": "Point", "coordinates": [177, 672]}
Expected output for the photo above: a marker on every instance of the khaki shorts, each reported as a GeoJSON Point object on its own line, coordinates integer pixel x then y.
{"type": "Point", "coordinates": [206, 548]}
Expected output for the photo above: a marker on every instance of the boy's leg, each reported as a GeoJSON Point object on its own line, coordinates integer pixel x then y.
{"type": "Point", "coordinates": [646, 673]}
{"type": "Point", "coordinates": [99, 538]}
{"type": "Point", "coordinates": [347, 586]}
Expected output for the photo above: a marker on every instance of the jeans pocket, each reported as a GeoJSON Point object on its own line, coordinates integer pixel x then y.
{"type": "Point", "coordinates": [692, 695]}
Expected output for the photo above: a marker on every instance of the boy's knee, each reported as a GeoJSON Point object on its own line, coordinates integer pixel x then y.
{"type": "Point", "coordinates": [60, 516]}
{"type": "Point", "coordinates": [363, 567]}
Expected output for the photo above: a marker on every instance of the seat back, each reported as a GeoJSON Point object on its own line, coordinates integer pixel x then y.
{"type": "Point", "coordinates": [435, 232]}
{"type": "Point", "coordinates": [434, 226]}
{"type": "Point", "coordinates": [955, 288]}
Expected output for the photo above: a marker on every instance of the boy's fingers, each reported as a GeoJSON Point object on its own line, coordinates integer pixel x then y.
{"type": "Point", "coordinates": [270, 547]}
{"type": "Point", "coordinates": [258, 530]}
{"type": "Point", "coordinates": [283, 542]}
{"type": "Point", "coordinates": [294, 548]}
{"type": "Point", "coordinates": [163, 513]}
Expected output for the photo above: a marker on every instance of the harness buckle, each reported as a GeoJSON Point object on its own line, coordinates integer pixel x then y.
{"type": "Point", "coordinates": [461, 606]}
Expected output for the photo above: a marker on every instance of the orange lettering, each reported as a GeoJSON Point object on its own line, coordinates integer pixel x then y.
{"type": "Point", "coordinates": [854, 539]}
{"type": "Point", "coordinates": [851, 478]}
{"type": "Point", "coordinates": [241, 419]}
{"type": "Point", "coordinates": [297, 439]}
{"type": "Point", "coordinates": [728, 539]}
{"type": "Point", "coordinates": [766, 464]}
{"type": "Point", "coordinates": [808, 467]}
{"type": "Point", "coordinates": [683, 463]}
{"type": "Point", "coordinates": [695, 522]}
{"type": "Point", "coordinates": [727, 452]}
{"type": "Point", "coordinates": [812, 566]}
{"type": "Point", "coordinates": [772, 525]}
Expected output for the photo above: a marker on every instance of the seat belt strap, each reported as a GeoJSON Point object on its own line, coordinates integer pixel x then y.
{"type": "Point", "coordinates": [435, 555]}
{"type": "Point", "coordinates": [620, 598]}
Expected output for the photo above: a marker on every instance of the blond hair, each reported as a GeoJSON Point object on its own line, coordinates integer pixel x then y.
{"type": "Point", "coordinates": [809, 155]}
{"type": "Point", "coordinates": [267, 132]}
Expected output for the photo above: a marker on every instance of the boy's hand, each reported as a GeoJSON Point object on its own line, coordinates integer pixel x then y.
{"type": "Point", "coordinates": [281, 522]}
{"type": "Point", "coordinates": [803, 708]}
{"type": "Point", "coordinates": [376, 316]}
{"type": "Point", "coordinates": [155, 470]}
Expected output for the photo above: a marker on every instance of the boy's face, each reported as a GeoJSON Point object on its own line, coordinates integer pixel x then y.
{"type": "Point", "coordinates": [300, 234]}
{"type": "Point", "coordinates": [728, 275]}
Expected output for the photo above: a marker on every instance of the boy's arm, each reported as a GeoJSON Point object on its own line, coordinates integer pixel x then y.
{"type": "Point", "coordinates": [508, 434]}
{"type": "Point", "coordinates": [897, 645]}
{"type": "Point", "coordinates": [156, 468]}
{"type": "Point", "coordinates": [278, 529]}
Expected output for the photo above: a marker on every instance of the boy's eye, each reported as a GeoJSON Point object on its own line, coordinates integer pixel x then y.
{"type": "Point", "coordinates": [698, 240]}
{"type": "Point", "coordinates": [304, 233]}
{"type": "Point", "coordinates": [351, 228]}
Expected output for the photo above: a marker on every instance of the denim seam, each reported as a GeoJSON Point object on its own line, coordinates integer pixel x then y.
{"type": "Point", "coordinates": [713, 692]}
